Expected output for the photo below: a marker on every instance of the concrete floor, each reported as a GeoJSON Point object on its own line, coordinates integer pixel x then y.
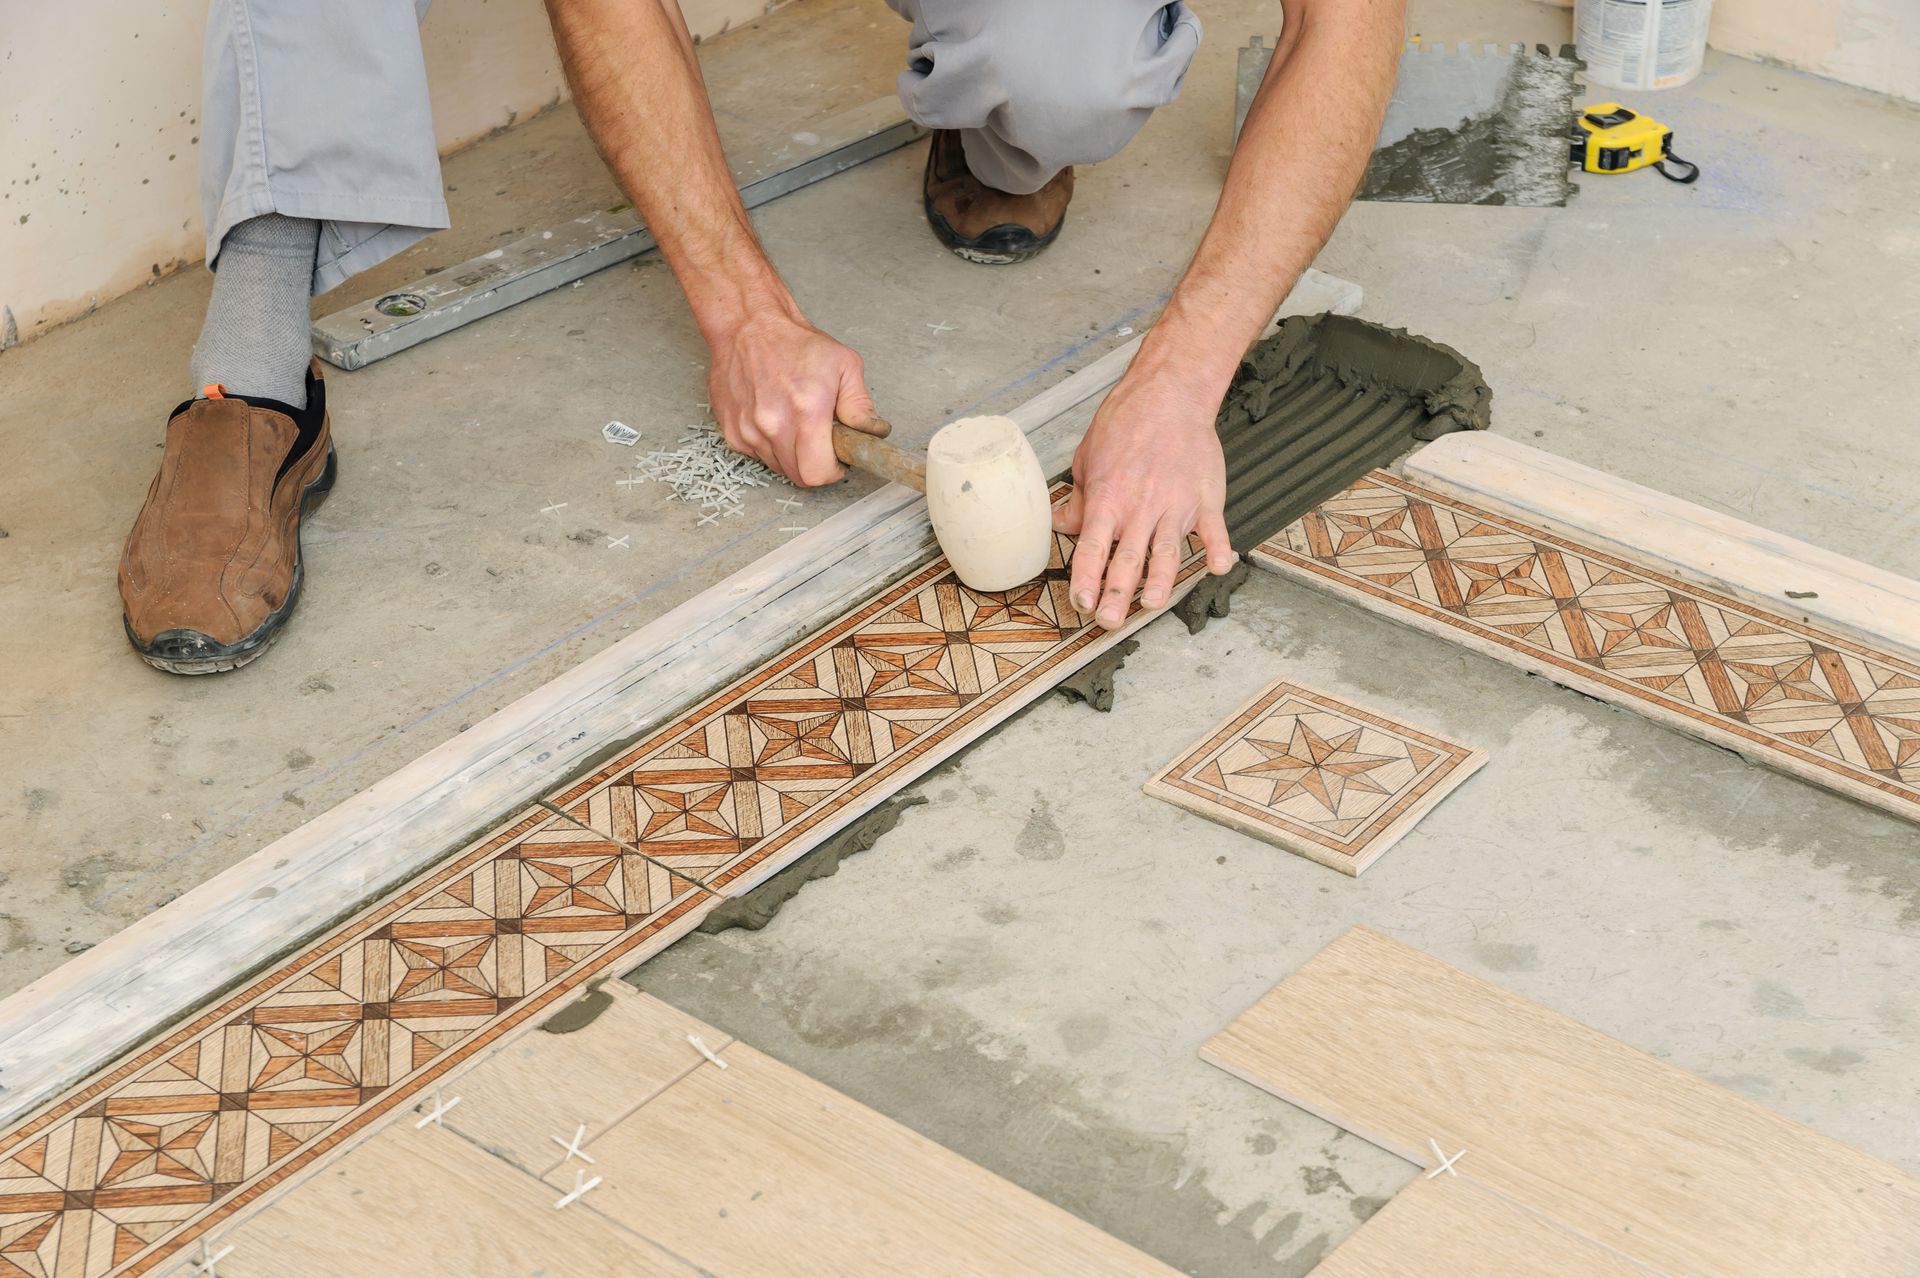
{"type": "Point", "coordinates": [1024, 969]}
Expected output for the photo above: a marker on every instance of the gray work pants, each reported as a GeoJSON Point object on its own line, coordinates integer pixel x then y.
{"type": "Point", "coordinates": [320, 110]}
{"type": "Point", "coordinates": [1036, 85]}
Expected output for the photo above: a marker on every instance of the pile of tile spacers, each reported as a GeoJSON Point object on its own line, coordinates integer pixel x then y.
{"type": "Point", "coordinates": [704, 470]}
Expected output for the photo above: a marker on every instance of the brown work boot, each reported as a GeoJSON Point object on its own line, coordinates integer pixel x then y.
{"type": "Point", "coordinates": [212, 568]}
{"type": "Point", "coordinates": [986, 225]}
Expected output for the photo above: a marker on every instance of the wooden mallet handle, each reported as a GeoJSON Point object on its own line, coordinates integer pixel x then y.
{"type": "Point", "coordinates": [876, 456]}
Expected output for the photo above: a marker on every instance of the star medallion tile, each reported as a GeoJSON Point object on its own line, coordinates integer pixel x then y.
{"type": "Point", "coordinates": [1316, 775]}
{"type": "Point", "coordinates": [1781, 692]}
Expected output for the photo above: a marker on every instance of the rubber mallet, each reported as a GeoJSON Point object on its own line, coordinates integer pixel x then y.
{"type": "Point", "coordinates": [985, 493]}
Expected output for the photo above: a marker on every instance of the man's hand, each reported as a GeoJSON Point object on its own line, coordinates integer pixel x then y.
{"type": "Point", "coordinates": [776, 385]}
{"type": "Point", "coordinates": [1148, 472]}
{"type": "Point", "coordinates": [776, 380]}
{"type": "Point", "coordinates": [1150, 469]}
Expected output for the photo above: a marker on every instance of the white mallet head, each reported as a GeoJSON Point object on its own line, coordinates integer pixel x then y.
{"type": "Point", "coordinates": [988, 500]}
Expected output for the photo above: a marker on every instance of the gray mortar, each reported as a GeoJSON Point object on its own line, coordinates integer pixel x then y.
{"type": "Point", "coordinates": [581, 1012]}
{"type": "Point", "coordinates": [1212, 597]}
{"type": "Point", "coordinates": [911, 1053]}
{"type": "Point", "coordinates": [756, 908]}
{"type": "Point", "coordinates": [1514, 152]}
{"type": "Point", "coordinates": [1325, 400]}
{"type": "Point", "coordinates": [1093, 682]}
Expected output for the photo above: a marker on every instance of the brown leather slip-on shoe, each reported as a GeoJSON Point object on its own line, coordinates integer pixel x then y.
{"type": "Point", "coordinates": [983, 224]}
{"type": "Point", "coordinates": [212, 567]}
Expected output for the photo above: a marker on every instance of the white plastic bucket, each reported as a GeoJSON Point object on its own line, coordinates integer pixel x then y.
{"type": "Point", "coordinates": [1641, 44]}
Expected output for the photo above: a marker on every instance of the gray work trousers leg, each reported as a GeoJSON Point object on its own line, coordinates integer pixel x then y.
{"type": "Point", "coordinates": [1036, 85]}
{"type": "Point", "coordinates": [319, 110]}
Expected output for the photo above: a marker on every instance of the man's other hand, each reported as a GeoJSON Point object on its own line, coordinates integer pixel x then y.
{"type": "Point", "coordinates": [776, 385]}
{"type": "Point", "coordinates": [1148, 472]}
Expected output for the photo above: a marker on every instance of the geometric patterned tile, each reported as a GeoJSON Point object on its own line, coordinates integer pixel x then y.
{"type": "Point", "coordinates": [1783, 693]}
{"type": "Point", "coordinates": [137, 1162]}
{"type": "Point", "coordinates": [1316, 775]}
{"type": "Point", "coordinates": [722, 794]}
{"type": "Point", "coordinates": [144, 1158]}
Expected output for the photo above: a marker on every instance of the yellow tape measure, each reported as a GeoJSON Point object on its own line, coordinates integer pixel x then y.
{"type": "Point", "coordinates": [1608, 138]}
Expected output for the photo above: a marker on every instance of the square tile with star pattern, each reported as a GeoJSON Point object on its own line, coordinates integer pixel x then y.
{"type": "Point", "coordinates": [1317, 775]}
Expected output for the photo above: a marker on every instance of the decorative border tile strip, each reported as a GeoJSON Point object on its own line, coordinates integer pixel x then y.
{"type": "Point", "coordinates": [1789, 695]}
{"type": "Point", "coordinates": [160, 1148]}
{"type": "Point", "coordinates": [828, 729]}
{"type": "Point", "coordinates": [97, 1006]}
{"type": "Point", "coordinates": [1708, 548]}
{"type": "Point", "coordinates": [153, 1152]}
{"type": "Point", "coordinates": [1317, 775]}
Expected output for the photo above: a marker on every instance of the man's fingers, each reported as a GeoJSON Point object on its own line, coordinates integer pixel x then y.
{"type": "Point", "coordinates": [1169, 540]}
{"type": "Point", "coordinates": [1068, 514]}
{"type": "Point", "coordinates": [815, 462]}
{"type": "Point", "coordinates": [854, 405]}
{"type": "Point", "coordinates": [1124, 567]}
{"type": "Point", "coordinates": [1213, 535]}
{"type": "Point", "coordinates": [782, 444]}
{"type": "Point", "coordinates": [748, 442]}
{"type": "Point", "coordinates": [1090, 558]}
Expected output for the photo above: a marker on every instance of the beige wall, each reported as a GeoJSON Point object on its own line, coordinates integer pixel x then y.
{"type": "Point", "coordinates": [99, 131]}
{"type": "Point", "coordinates": [1872, 43]}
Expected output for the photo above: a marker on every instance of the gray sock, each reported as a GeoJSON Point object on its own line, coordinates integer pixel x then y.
{"type": "Point", "coordinates": [254, 340]}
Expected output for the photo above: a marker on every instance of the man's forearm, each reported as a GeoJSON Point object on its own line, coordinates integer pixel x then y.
{"type": "Point", "coordinates": [1301, 155]}
{"type": "Point", "coordinates": [639, 90]}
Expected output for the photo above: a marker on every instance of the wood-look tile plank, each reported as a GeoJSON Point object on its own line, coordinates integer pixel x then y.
{"type": "Point", "coordinates": [1645, 1158]}
{"type": "Point", "coordinates": [428, 1204]}
{"type": "Point", "coordinates": [543, 1085]}
{"type": "Point", "coordinates": [758, 1169]}
{"type": "Point", "coordinates": [1450, 1227]}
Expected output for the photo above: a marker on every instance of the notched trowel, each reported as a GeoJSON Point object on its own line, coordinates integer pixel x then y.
{"type": "Point", "coordinates": [1467, 124]}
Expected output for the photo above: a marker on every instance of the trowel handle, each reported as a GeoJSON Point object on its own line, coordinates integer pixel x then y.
{"type": "Point", "coordinates": [876, 456]}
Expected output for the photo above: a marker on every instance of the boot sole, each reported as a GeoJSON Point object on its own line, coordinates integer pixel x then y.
{"type": "Point", "coordinates": [1001, 245]}
{"type": "Point", "coordinates": [981, 249]}
{"type": "Point", "coordinates": [221, 658]}
{"type": "Point", "coordinates": [985, 258]}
